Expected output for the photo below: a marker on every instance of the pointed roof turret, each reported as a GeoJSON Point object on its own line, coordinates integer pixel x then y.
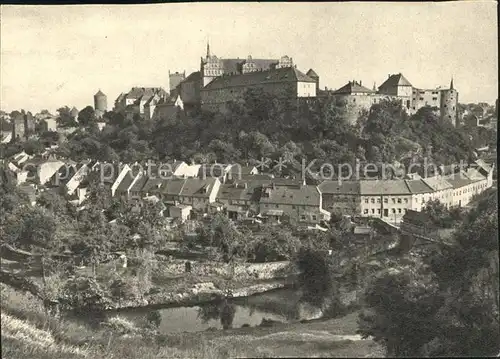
{"type": "Point", "coordinates": [312, 74]}
{"type": "Point", "coordinates": [208, 49]}
{"type": "Point", "coordinates": [99, 93]}
{"type": "Point", "coordinates": [451, 83]}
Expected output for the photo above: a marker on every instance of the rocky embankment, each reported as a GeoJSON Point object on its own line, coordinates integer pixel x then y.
{"type": "Point", "coordinates": [200, 293]}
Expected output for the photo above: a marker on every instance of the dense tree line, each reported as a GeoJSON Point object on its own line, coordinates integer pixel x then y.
{"type": "Point", "coordinates": [446, 301]}
{"type": "Point", "coordinates": [261, 125]}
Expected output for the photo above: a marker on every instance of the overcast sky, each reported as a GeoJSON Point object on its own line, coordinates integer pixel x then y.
{"type": "Point", "coordinates": [53, 56]}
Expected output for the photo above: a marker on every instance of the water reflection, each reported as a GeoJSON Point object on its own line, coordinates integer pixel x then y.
{"type": "Point", "coordinates": [223, 311]}
{"type": "Point", "coordinates": [277, 306]}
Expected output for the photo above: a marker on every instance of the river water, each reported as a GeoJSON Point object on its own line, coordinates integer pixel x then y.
{"type": "Point", "coordinates": [278, 305]}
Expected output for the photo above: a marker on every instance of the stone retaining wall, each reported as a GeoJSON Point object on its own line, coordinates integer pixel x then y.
{"type": "Point", "coordinates": [237, 270]}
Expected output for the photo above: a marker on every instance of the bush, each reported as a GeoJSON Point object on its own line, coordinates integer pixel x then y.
{"type": "Point", "coordinates": [84, 294]}
{"type": "Point", "coordinates": [121, 325]}
{"type": "Point", "coordinates": [124, 290]}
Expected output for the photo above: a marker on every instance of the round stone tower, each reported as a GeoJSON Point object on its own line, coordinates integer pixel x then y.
{"type": "Point", "coordinates": [449, 104]}
{"type": "Point", "coordinates": [100, 103]}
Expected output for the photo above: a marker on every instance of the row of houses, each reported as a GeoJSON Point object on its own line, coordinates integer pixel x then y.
{"type": "Point", "coordinates": [189, 190]}
{"type": "Point", "coordinates": [251, 194]}
{"type": "Point", "coordinates": [391, 199]}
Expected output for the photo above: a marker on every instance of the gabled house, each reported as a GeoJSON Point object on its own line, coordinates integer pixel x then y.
{"type": "Point", "coordinates": [40, 171]}
{"type": "Point", "coordinates": [240, 198]}
{"type": "Point", "coordinates": [81, 174]}
{"type": "Point", "coordinates": [200, 193]}
{"type": "Point", "coordinates": [118, 174]}
{"type": "Point", "coordinates": [389, 199]}
{"type": "Point", "coordinates": [123, 183]}
{"type": "Point", "coordinates": [420, 192]}
{"type": "Point", "coordinates": [442, 189]}
{"type": "Point", "coordinates": [341, 196]}
{"type": "Point", "coordinates": [301, 203]}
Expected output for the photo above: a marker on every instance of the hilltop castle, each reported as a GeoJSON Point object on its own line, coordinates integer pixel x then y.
{"type": "Point", "coordinates": [221, 81]}
{"type": "Point", "coordinates": [356, 97]}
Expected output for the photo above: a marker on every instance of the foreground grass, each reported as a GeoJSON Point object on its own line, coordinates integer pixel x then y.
{"type": "Point", "coordinates": [28, 332]}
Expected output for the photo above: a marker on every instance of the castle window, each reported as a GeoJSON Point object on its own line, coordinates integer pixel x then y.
{"type": "Point", "coordinates": [434, 99]}
{"type": "Point", "coordinates": [421, 98]}
{"type": "Point", "coordinates": [445, 106]}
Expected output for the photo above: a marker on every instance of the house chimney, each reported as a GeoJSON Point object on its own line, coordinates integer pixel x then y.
{"type": "Point", "coordinates": [360, 83]}
{"type": "Point", "coordinates": [388, 75]}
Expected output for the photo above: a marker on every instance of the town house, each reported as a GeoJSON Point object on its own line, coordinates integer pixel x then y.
{"type": "Point", "coordinates": [341, 197]}
{"type": "Point", "coordinates": [240, 198]}
{"type": "Point", "coordinates": [388, 199]}
{"type": "Point", "coordinates": [299, 203]}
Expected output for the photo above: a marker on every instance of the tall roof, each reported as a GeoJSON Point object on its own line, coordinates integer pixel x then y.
{"type": "Point", "coordinates": [139, 183]}
{"type": "Point", "coordinates": [100, 94]}
{"type": "Point", "coordinates": [312, 74]}
{"type": "Point", "coordinates": [196, 187]}
{"type": "Point", "coordinates": [394, 81]}
{"type": "Point", "coordinates": [353, 87]}
{"type": "Point", "coordinates": [285, 74]}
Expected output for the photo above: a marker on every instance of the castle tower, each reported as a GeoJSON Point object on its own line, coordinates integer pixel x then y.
{"type": "Point", "coordinates": [312, 74]}
{"type": "Point", "coordinates": [175, 79]}
{"type": "Point", "coordinates": [100, 103]}
{"type": "Point", "coordinates": [449, 104]}
{"type": "Point", "coordinates": [210, 68]}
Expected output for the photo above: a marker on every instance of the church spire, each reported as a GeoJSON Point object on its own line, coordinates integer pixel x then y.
{"type": "Point", "coordinates": [208, 49]}
{"type": "Point", "coordinates": [451, 83]}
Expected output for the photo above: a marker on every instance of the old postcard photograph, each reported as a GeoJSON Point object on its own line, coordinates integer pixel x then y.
{"type": "Point", "coordinates": [249, 180]}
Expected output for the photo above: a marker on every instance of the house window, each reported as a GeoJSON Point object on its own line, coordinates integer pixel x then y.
{"type": "Point", "coordinates": [399, 210]}
{"type": "Point", "coordinates": [393, 210]}
{"type": "Point", "coordinates": [373, 200]}
{"type": "Point", "coordinates": [293, 206]}
{"type": "Point", "coordinates": [378, 211]}
{"type": "Point", "coordinates": [277, 206]}
{"type": "Point", "coordinates": [386, 200]}
{"type": "Point", "coordinates": [378, 200]}
{"type": "Point", "coordinates": [267, 205]}
{"type": "Point", "coordinates": [399, 200]}
{"type": "Point", "coordinates": [373, 211]}
{"type": "Point", "coordinates": [406, 200]}
{"type": "Point", "coordinates": [393, 200]}
{"type": "Point", "coordinates": [366, 200]}
{"type": "Point", "coordinates": [303, 217]}
{"type": "Point", "coordinates": [365, 211]}
{"type": "Point", "coordinates": [314, 217]}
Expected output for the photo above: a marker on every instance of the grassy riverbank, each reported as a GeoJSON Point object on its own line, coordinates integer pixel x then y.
{"type": "Point", "coordinates": [27, 332]}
